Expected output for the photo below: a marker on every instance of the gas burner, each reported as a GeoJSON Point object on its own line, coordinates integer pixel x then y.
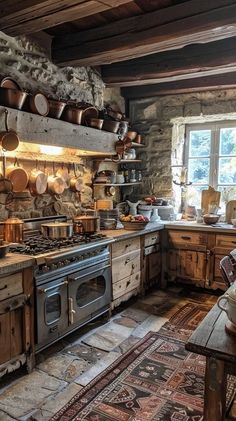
{"type": "Point", "coordinates": [38, 245]}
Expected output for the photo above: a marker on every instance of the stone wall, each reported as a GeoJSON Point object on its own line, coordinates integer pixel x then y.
{"type": "Point", "coordinates": [161, 121]}
{"type": "Point", "coordinates": [30, 66]}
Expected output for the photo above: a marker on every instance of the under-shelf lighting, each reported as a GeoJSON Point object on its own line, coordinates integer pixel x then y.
{"type": "Point", "coordinates": [51, 150]}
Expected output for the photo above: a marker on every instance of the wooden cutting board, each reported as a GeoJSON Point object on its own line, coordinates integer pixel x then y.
{"type": "Point", "coordinates": [209, 197]}
{"type": "Point", "coordinates": [230, 211]}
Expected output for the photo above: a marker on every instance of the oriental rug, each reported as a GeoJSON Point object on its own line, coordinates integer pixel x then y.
{"type": "Point", "coordinates": [157, 379]}
{"type": "Point", "coordinates": [190, 315]}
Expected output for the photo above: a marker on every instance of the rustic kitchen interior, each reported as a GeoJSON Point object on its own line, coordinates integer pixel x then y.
{"type": "Point", "coordinates": [117, 210]}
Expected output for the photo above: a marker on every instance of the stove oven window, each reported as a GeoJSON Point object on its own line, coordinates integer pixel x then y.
{"type": "Point", "coordinates": [52, 308]}
{"type": "Point", "coordinates": [90, 291]}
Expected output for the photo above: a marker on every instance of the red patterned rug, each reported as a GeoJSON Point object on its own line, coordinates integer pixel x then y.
{"type": "Point", "coordinates": [155, 380]}
{"type": "Point", "coordinates": [190, 315]}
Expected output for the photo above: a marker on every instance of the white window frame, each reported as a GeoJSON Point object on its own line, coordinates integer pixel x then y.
{"type": "Point", "coordinates": [214, 149]}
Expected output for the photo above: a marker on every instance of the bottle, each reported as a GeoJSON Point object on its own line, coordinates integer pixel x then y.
{"type": "Point", "coordinates": [126, 175]}
{"type": "Point", "coordinates": [132, 176]}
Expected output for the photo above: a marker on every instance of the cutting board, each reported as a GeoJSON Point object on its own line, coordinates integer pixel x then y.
{"type": "Point", "coordinates": [230, 211]}
{"type": "Point", "coordinates": [209, 197]}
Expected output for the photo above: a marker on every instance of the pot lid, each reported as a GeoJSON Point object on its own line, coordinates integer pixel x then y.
{"type": "Point", "coordinates": [14, 221]}
{"type": "Point", "coordinates": [57, 224]}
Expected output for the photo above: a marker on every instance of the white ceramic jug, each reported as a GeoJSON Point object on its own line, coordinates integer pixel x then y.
{"type": "Point", "coordinates": [133, 207]}
{"type": "Point", "coordinates": [155, 217]}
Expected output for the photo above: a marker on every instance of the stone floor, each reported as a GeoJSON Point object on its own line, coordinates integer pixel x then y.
{"type": "Point", "coordinates": [64, 368]}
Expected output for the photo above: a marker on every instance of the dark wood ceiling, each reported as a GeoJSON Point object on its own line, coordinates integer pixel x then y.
{"type": "Point", "coordinates": [144, 46]}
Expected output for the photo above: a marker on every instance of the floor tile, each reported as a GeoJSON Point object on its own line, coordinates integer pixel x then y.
{"type": "Point", "coordinates": [29, 393]}
{"type": "Point", "coordinates": [151, 324]}
{"type": "Point", "coordinates": [87, 353]}
{"type": "Point", "coordinates": [108, 337]}
{"type": "Point", "coordinates": [64, 366]}
{"type": "Point", "coordinates": [101, 365]}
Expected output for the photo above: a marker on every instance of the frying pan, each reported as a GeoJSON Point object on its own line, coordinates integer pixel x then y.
{"type": "Point", "coordinates": [18, 176]}
{"type": "Point", "coordinates": [9, 139]}
{"type": "Point", "coordinates": [75, 182]}
{"type": "Point", "coordinates": [56, 184]}
{"type": "Point", "coordinates": [38, 180]}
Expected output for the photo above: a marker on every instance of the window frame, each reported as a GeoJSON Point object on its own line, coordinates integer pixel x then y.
{"type": "Point", "coordinates": [214, 149]}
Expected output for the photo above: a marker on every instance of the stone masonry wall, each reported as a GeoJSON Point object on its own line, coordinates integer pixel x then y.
{"type": "Point", "coordinates": [161, 121]}
{"type": "Point", "coordinates": [29, 64]}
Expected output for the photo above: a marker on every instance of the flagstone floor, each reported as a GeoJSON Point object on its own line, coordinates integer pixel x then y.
{"type": "Point", "coordinates": [64, 368]}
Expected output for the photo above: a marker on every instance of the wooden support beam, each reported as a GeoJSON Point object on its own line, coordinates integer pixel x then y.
{"type": "Point", "coordinates": [196, 21]}
{"type": "Point", "coordinates": [194, 60]}
{"type": "Point", "coordinates": [26, 17]}
{"type": "Point", "coordinates": [208, 83]}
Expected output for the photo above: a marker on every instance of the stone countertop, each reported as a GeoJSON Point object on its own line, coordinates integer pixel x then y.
{"type": "Point", "coordinates": [220, 227]}
{"type": "Point", "coordinates": [14, 262]}
{"type": "Point", "coordinates": [122, 234]}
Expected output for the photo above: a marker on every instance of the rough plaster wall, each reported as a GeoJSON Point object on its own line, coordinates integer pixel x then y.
{"type": "Point", "coordinates": [29, 64]}
{"type": "Point", "coordinates": [161, 121]}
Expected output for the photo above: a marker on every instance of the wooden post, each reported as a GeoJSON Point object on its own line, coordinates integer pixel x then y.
{"type": "Point", "coordinates": [215, 390]}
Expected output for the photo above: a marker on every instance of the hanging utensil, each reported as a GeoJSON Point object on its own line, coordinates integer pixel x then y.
{"type": "Point", "coordinates": [18, 176]}
{"type": "Point", "coordinates": [64, 174]}
{"type": "Point", "coordinates": [38, 181]}
{"type": "Point", "coordinates": [56, 184]}
{"type": "Point", "coordinates": [5, 183]}
{"type": "Point", "coordinates": [75, 182]}
{"type": "Point", "coordinates": [9, 139]}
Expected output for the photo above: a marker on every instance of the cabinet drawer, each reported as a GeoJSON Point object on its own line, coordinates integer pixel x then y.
{"type": "Point", "coordinates": [227, 241]}
{"type": "Point", "coordinates": [152, 238]}
{"type": "Point", "coordinates": [11, 285]}
{"type": "Point", "coordinates": [125, 285]}
{"type": "Point", "coordinates": [187, 237]}
{"type": "Point", "coordinates": [125, 265]}
{"type": "Point", "coordinates": [122, 247]}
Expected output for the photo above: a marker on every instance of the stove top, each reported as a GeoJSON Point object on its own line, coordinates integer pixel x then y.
{"type": "Point", "coordinates": [38, 245]}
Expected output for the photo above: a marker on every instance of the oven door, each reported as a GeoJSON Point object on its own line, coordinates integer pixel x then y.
{"type": "Point", "coordinates": [52, 315]}
{"type": "Point", "coordinates": [89, 294]}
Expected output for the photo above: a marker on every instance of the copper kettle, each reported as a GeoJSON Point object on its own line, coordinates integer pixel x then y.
{"type": "Point", "coordinates": [13, 230]}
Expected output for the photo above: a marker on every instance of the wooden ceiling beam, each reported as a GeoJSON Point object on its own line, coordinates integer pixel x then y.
{"type": "Point", "coordinates": [208, 83]}
{"type": "Point", "coordinates": [194, 60]}
{"type": "Point", "coordinates": [166, 29]}
{"type": "Point", "coordinates": [26, 17]}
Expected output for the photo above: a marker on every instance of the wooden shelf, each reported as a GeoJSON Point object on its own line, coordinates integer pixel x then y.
{"type": "Point", "coordinates": [117, 184]}
{"type": "Point", "coordinates": [121, 161]}
{"type": "Point", "coordinates": [137, 145]}
{"type": "Point", "coordinates": [33, 128]}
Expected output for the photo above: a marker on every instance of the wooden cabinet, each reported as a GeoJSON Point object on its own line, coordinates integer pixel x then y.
{"type": "Point", "coordinates": [16, 321]}
{"type": "Point", "coordinates": [126, 270]}
{"type": "Point", "coordinates": [151, 249]}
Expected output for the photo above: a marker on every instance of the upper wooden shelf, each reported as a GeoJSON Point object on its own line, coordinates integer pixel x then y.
{"type": "Point", "coordinates": [34, 128]}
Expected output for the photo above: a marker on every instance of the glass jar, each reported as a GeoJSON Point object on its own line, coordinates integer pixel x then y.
{"type": "Point", "coordinates": [133, 176]}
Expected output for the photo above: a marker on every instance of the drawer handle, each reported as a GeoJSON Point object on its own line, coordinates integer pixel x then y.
{"type": "Point", "coordinates": [127, 245]}
{"type": "Point", "coordinates": [234, 242]}
{"type": "Point", "coordinates": [5, 286]}
{"type": "Point", "coordinates": [127, 260]}
{"type": "Point", "coordinates": [127, 283]}
{"type": "Point", "coordinates": [133, 266]}
{"type": "Point", "coordinates": [184, 237]}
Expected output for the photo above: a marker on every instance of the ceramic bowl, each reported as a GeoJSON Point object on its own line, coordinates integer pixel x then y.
{"type": "Point", "coordinates": [211, 218]}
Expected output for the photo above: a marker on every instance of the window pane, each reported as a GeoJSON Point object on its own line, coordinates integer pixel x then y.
{"type": "Point", "coordinates": [228, 141]}
{"type": "Point", "coordinates": [200, 143]}
{"type": "Point", "coordinates": [227, 171]}
{"type": "Point", "coordinates": [199, 170]}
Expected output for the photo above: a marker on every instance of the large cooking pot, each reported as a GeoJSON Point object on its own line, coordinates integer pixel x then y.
{"type": "Point", "coordinates": [57, 230]}
{"type": "Point", "coordinates": [56, 184]}
{"type": "Point", "coordinates": [85, 224]}
{"type": "Point", "coordinates": [18, 176]}
{"type": "Point", "coordinates": [13, 230]}
{"type": "Point", "coordinates": [37, 181]}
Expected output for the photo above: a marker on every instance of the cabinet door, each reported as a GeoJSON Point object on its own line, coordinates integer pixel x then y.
{"type": "Point", "coordinates": [218, 281]}
{"type": "Point", "coordinates": [187, 264]}
{"type": "Point", "coordinates": [16, 332]}
{"type": "Point", "coordinates": [5, 337]}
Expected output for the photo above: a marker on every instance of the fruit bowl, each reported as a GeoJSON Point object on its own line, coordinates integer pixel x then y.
{"type": "Point", "coordinates": [134, 225]}
{"type": "Point", "coordinates": [211, 218]}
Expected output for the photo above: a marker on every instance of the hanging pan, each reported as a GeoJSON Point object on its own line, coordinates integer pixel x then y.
{"type": "Point", "coordinates": [38, 180]}
{"type": "Point", "coordinates": [9, 139]}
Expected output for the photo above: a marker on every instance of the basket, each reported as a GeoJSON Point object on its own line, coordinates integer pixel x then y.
{"type": "Point", "coordinates": [134, 226]}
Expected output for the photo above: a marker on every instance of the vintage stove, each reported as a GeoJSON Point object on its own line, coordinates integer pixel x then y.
{"type": "Point", "coordinates": [72, 279]}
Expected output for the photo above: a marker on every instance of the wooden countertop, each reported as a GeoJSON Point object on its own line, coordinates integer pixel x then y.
{"type": "Point", "coordinates": [14, 262]}
{"type": "Point", "coordinates": [122, 234]}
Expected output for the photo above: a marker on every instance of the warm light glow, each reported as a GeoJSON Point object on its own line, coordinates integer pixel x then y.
{"type": "Point", "coordinates": [51, 150]}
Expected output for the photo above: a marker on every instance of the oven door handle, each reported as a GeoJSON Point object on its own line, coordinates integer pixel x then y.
{"type": "Point", "coordinates": [45, 290]}
{"type": "Point", "coordinates": [98, 271]}
{"type": "Point", "coordinates": [71, 310]}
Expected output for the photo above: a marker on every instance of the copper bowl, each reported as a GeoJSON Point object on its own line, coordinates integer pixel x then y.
{"type": "Point", "coordinates": [56, 108]}
{"type": "Point", "coordinates": [96, 123]}
{"type": "Point", "coordinates": [211, 218]}
{"type": "Point", "coordinates": [110, 126]}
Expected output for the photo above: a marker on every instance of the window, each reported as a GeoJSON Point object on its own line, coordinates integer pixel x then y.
{"type": "Point", "coordinates": [210, 155]}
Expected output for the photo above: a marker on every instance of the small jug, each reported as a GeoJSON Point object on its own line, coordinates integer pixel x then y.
{"type": "Point", "coordinates": [155, 217]}
{"type": "Point", "coordinates": [133, 207]}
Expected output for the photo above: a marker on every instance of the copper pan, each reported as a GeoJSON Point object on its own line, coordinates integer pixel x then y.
{"type": "Point", "coordinates": [18, 176]}
{"type": "Point", "coordinates": [38, 180]}
{"type": "Point", "coordinates": [9, 139]}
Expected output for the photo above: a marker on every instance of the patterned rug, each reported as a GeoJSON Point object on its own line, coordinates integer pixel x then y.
{"type": "Point", "coordinates": [190, 315]}
{"type": "Point", "coordinates": [157, 379]}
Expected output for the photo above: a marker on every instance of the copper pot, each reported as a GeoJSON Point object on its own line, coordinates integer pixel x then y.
{"type": "Point", "coordinates": [13, 98]}
{"type": "Point", "coordinates": [56, 230]}
{"type": "Point", "coordinates": [85, 224]}
{"type": "Point", "coordinates": [72, 113]}
{"type": "Point", "coordinates": [56, 108]}
{"type": "Point", "coordinates": [13, 230]}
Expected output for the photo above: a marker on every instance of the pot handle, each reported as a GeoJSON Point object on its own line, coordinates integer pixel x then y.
{"type": "Point", "coordinates": [6, 125]}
